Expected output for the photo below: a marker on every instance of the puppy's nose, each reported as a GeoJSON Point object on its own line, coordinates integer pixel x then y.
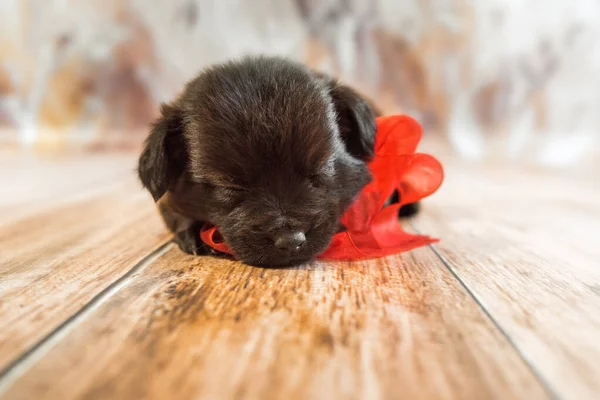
{"type": "Point", "coordinates": [290, 241]}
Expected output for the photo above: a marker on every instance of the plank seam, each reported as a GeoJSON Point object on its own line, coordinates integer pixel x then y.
{"type": "Point", "coordinates": [543, 382]}
{"type": "Point", "coordinates": [21, 364]}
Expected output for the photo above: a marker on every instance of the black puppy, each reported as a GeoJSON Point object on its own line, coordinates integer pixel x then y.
{"type": "Point", "coordinates": [267, 150]}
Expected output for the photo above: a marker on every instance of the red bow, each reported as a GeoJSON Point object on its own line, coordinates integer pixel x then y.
{"type": "Point", "coordinates": [372, 230]}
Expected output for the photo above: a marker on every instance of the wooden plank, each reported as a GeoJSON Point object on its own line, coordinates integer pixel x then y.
{"type": "Point", "coordinates": [206, 328]}
{"type": "Point", "coordinates": [31, 184]}
{"type": "Point", "coordinates": [525, 242]}
{"type": "Point", "coordinates": [53, 262]}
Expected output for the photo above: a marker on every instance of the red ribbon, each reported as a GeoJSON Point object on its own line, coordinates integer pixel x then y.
{"type": "Point", "coordinates": [372, 230]}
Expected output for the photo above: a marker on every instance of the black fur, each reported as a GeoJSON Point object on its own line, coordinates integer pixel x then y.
{"type": "Point", "coordinates": [263, 148]}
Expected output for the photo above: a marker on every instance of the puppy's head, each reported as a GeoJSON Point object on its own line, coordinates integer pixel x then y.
{"type": "Point", "coordinates": [267, 151]}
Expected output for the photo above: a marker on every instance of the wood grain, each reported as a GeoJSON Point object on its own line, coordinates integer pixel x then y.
{"type": "Point", "coordinates": [206, 328]}
{"type": "Point", "coordinates": [54, 261]}
{"type": "Point", "coordinates": [526, 243]}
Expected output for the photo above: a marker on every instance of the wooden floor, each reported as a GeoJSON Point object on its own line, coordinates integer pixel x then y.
{"type": "Point", "coordinates": [96, 303]}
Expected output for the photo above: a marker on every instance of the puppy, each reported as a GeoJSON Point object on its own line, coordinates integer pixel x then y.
{"type": "Point", "coordinates": [267, 150]}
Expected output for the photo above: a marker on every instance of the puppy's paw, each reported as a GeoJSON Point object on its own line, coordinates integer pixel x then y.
{"type": "Point", "coordinates": [189, 242]}
{"type": "Point", "coordinates": [407, 210]}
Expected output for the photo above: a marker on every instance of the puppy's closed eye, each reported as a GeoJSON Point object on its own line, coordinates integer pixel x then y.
{"type": "Point", "coordinates": [222, 185]}
{"type": "Point", "coordinates": [226, 194]}
{"type": "Point", "coordinates": [232, 189]}
{"type": "Point", "coordinates": [233, 193]}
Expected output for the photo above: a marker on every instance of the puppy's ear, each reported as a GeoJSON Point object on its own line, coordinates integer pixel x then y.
{"type": "Point", "coordinates": [356, 119]}
{"type": "Point", "coordinates": [164, 156]}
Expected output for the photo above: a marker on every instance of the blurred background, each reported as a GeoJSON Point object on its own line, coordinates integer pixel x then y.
{"type": "Point", "coordinates": [513, 80]}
